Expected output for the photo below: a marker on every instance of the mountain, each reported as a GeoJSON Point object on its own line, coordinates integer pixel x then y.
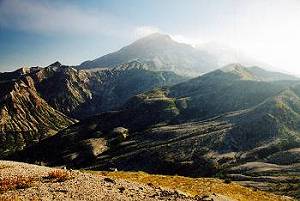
{"type": "Point", "coordinates": [218, 124]}
{"type": "Point", "coordinates": [113, 87]}
{"type": "Point", "coordinates": [208, 96]}
{"type": "Point", "coordinates": [257, 73]}
{"type": "Point", "coordinates": [212, 95]}
{"type": "Point", "coordinates": [161, 53]}
{"type": "Point", "coordinates": [63, 87]}
{"type": "Point", "coordinates": [25, 118]}
{"type": "Point", "coordinates": [80, 93]}
{"type": "Point", "coordinates": [265, 75]}
{"type": "Point", "coordinates": [36, 103]}
{"type": "Point", "coordinates": [230, 88]}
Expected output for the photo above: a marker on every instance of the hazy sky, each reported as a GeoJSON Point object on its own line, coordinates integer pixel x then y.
{"type": "Point", "coordinates": [38, 32]}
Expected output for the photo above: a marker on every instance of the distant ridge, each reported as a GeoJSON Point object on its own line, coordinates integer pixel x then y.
{"type": "Point", "coordinates": [161, 53]}
{"type": "Point", "coordinates": [55, 64]}
{"type": "Point", "coordinates": [256, 73]}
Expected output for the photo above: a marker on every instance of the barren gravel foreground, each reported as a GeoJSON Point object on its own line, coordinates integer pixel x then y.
{"type": "Point", "coordinates": [21, 181]}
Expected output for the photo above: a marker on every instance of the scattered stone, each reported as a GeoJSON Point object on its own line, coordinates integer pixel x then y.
{"type": "Point", "coordinates": [113, 169]}
{"type": "Point", "coordinates": [86, 186]}
{"type": "Point", "coordinates": [121, 133]}
{"type": "Point", "coordinates": [204, 198]}
{"type": "Point", "coordinates": [121, 189]}
{"type": "Point", "coordinates": [62, 190]}
{"type": "Point", "coordinates": [182, 194]}
{"type": "Point", "coordinates": [109, 180]}
{"type": "Point", "coordinates": [150, 184]}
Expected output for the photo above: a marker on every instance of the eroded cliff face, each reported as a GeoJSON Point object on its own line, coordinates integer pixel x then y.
{"type": "Point", "coordinates": [80, 93]}
{"type": "Point", "coordinates": [64, 88]}
{"type": "Point", "coordinates": [37, 102]}
{"type": "Point", "coordinates": [25, 117]}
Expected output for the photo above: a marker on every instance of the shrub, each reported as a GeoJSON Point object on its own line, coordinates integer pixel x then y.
{"type": "Point", "coordinates": [19, 182]}
{"type": "Point", "coordinates": [4, 166]}
{"type": "Point", "coordinates": [227, 181]}
{"type": "Point", "coordinates": [16, 198]}
{"type": "Point", "coordinates": [59, 175]}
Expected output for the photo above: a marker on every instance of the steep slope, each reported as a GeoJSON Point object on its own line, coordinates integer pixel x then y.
{"type": "Point", "coordinates": [161, 53]}
{"type": "Point", "coordinates": [113, 87]}
{"type": "Point", "coordinates": [168, 109]}
{"type": "Point", "coordinates": [152, 137]}
{"type": "Point", "coordinates": [14, 75]}
{"type": "Point", "coordinates": [265, 75]}
{"type": "Point", "coordinates": [34, 102]}
{"type": "Point", "coordinates": [84, 141]}
{"type": "Point", "coordinates": [202, 127]}
{"type": "Point", "coordinates": [63, 87]}
{"type": "Point", "coordinates": [272, 126]}
{"type": "Point", "coordinates": [200, 148]}
{"type": "Point", "coordinates": [239, 71]}
{"type": "Point", "coordinates": [256, 73]}
{"type": "Point", "coordinates": [231, 88]}
{"type": "Point", "coordinates": [79, 93]}
{"type": "Point", "coordinates": [25, 118]}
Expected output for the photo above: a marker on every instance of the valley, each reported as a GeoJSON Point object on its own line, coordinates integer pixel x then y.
{"type": "Point", "coordinates": [125, 112]}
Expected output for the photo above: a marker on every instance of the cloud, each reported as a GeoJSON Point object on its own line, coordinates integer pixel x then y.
{"type": "Point", "coordinates": [184, 39]}
{"type": "Point", "coordinates": [145, 30]}
{"type": "Point", "coordinates": [43, 17]}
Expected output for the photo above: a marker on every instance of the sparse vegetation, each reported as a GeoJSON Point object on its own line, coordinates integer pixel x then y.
{"type": "Point", "coordinates": [9, 198]}
{"type": "Point", "coordinates": [196, 186]}
{"type": "Point", "coordinates": [59, 175]}
{"type": "Point", "coordinates": [18, 198]}
{"type": "Point", "coordinates": [18, 182]}
{"type": "Point", "coordinates": [4, 166]}
{"type": "Point", "coordinates": [227, 181]}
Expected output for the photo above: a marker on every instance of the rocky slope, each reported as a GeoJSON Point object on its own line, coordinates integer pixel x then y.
{"type": "Point", "coordinates": [202, 127]}
{"type": "Point", "coordinates": [37, 102]}
{"type": "Point", "coordinates": [20, 181]}
{"type": "Point", "coordinates": [26, 118]}
{"type": "Point", "coordinates": [111, 88]}
{"type": "Point", "coordinates": [256, 73]}
{"type": "Point", "coordinates": [79, 93]}
{"type": "Point", "coordinates": [265, 75]}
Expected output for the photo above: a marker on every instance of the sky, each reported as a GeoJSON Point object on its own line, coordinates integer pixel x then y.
{"type": "Point", "coordinates": [39, 32]}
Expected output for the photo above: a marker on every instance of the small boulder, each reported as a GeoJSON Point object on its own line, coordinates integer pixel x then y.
{"type": "Point", "coordinates": [109, 180]}
{"type": "Point", "coordinates": [121, 189]}
{"type": "Point", "coordinates": [121, 133]}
